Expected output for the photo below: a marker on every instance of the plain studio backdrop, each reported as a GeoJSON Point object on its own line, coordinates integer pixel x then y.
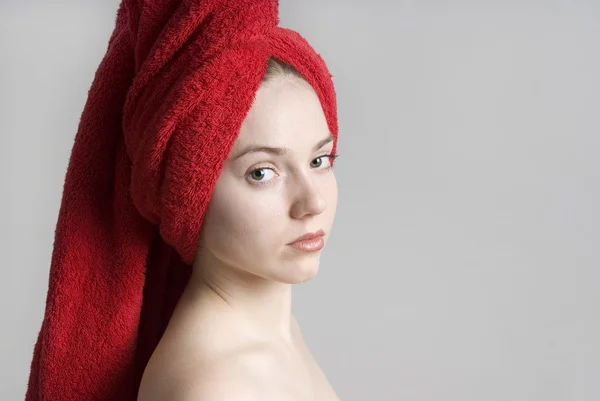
{"type": "Point", "coordinates": [464, 261]}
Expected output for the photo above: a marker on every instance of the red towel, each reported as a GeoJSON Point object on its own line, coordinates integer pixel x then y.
{"type": "Point", "coordinates": [162, 113]}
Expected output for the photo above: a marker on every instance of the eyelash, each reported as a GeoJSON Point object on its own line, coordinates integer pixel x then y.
{"type": "Point", "coordinates": [331, 157]}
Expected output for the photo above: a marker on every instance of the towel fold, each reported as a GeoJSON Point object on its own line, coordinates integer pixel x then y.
{"type": "Point", "coordinates": [165, 106]}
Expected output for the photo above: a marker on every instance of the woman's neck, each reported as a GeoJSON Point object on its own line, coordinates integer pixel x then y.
{"type": "Point", "coordinates": [261, 308]}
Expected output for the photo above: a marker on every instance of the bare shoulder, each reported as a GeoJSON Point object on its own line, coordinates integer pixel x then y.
{"type": "Point", "coordinates": [218, 384]}
{"type": "Point", "coordinates": [242, 375]}
{"type": "Point", "coordinates": [238, 376]}
{"type": "Point", "coordinates": [207, 386]}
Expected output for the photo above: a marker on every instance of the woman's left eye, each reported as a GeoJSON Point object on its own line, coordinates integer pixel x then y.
{"type": "Point", "coordinates": [319, 161]}
{"type": "Point", "coordinates": [329, 160]}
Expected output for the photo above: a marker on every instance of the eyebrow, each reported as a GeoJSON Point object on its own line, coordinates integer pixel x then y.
{"type": "Point", "coordinates": [279, 151]}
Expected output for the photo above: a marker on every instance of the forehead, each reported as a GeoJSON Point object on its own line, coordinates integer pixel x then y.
{"type": "Point", "coordinates": [285, 112]}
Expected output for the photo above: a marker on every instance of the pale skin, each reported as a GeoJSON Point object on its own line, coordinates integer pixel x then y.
{"type": "Point", "coordinates": [232, 336]}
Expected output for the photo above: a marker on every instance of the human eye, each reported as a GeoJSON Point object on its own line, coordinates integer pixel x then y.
{"type": "Point", "coordinates": [258, 179]}
{"type": "Point", "coordinates": [330, 158]}
{"type": "Point", "coordinates": [260, 175]}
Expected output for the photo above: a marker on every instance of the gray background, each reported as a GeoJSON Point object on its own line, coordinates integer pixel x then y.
{"type": "Point", "coordinates": [464, 259]}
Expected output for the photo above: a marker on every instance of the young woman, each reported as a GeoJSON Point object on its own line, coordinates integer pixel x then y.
{"type": "Point", "coordinates": [232, 335]}
{"type": "Point", "coordinates": [201, 164]}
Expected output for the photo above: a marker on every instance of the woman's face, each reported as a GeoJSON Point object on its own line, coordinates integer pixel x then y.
{"type": "Point", "coordinates": [263, 201]}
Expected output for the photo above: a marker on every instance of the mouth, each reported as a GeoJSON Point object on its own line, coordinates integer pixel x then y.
{"type": "Point", "coordinates": [308, 237]}
{"type": "Point", "coordinates": [309, 242]}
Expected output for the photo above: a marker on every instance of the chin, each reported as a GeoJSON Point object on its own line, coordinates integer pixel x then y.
{"type": "Point", "coordinates": [297, 273]}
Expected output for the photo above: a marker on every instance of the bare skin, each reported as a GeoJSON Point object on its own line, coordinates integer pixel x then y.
{"type": "Point", "coordinates": [232, 336]}
{"type": "Point", "coordinates": [213, 357]}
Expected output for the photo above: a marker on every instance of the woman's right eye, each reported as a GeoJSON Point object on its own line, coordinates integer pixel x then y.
{"type": "Point", "coordinates": [259, 174]}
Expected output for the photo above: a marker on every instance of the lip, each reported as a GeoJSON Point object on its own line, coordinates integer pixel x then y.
{"type": "Point", "coordinates": [308, 236]}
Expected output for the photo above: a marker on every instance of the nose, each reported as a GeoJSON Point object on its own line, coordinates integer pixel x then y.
{"type": "Point", "coordinates": [307, 198]}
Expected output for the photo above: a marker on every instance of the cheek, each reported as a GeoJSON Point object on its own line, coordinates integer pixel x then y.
{"type": "Point", "coordinates": [245, 223]}
{"type": "Point", "coordinates": [334, 189]}
{"type": "Point", "coordinates": [330, 192]}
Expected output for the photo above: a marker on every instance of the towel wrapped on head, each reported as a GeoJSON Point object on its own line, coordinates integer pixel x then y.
{"type": "Point", "coordinates": [162, 114]}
